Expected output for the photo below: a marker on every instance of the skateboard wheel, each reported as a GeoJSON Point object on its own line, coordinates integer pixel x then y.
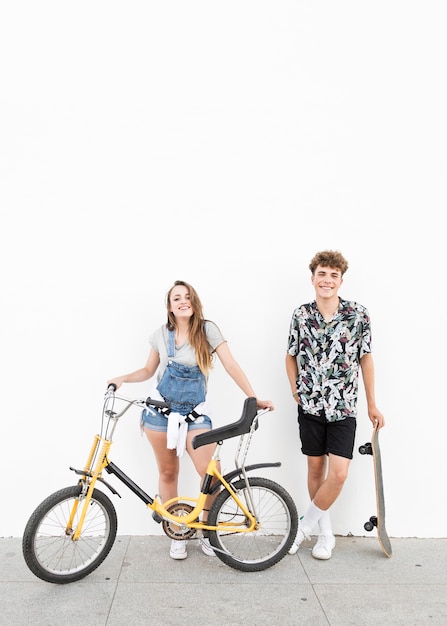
{"type": "Point", "coordinates": [366, 448]}
{"type": "Point", "coordinates": [371, 523]}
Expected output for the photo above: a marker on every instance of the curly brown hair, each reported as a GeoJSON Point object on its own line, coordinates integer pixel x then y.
{"type": "Point", "coordinates": [197, 335]}
{"type": "Point", "coordinates": [329, 258]}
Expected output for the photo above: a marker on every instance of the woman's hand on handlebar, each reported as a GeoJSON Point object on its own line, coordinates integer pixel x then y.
{"type": "Point", "coordinates": [116, 382]}
{"type": "Point", "coordinates": [265, 404]}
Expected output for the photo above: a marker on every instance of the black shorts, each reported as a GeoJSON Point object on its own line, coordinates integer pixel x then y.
{"type": "Point", "coordinates": [319, 437]}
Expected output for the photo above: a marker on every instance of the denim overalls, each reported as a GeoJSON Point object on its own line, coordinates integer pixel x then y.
{"type": "Point", "coordinates": [184, 387]}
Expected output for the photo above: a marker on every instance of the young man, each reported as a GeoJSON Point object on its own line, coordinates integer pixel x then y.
{"type": "Point", "coordinates": [329, 342]}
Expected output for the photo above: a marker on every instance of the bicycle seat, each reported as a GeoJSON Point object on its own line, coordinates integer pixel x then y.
{"type": "Point", "coordinates": [241, 427]}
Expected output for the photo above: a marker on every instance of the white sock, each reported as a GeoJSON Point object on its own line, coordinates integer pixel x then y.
{"type": "Point", "coordinates": [324, 523]}
{"type": "Point", "coordinates": [311, 518]}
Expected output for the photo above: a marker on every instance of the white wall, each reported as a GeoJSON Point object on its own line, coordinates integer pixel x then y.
{"type": "Point", "coordinates": [222, 144]}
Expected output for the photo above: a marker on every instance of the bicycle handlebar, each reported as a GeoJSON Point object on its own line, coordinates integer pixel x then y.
{"type": "Point", "coordinates": [250, 413]}
{"type": "Point", "coordinates": [159, 404]}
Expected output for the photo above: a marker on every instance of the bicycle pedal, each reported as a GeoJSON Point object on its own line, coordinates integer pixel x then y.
{"type": "Point", "coordinates": [156, 517]}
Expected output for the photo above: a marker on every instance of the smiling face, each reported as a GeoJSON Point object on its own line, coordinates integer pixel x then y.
{"type": "Point", "coordinates": [326, 281]}
{"type": "Point", "coordinates": [183, 305]}
{"type": "Point", "coordinates": [180, 302]}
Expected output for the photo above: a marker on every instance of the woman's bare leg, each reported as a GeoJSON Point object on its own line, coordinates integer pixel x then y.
{"type": "Point", "coordinates": [167, 462]}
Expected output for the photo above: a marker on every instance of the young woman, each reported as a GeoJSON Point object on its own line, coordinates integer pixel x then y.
{"type": "Point", "coordinates": [181, 355]}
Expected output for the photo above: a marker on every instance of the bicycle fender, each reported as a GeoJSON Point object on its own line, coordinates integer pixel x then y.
{"type": "Point", "coordinates": [237, 473]}
{"type": "Point", "coordinates": [112, 489]}
{"type": "Point", "coordinates": [100, 478]}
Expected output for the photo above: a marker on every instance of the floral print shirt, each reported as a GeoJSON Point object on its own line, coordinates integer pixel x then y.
{"type": "Point", "coordinates": [328, 356]}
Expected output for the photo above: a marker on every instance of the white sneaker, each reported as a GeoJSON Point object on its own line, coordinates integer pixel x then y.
{"type": "Point", "coordinates": [323, 548]}
{"type": "Point", "coordinates": [301, 536]}
{"type": "Point", "coordinates": [206, 547]}
{"type": "Point", "coordinates": [178, 550]}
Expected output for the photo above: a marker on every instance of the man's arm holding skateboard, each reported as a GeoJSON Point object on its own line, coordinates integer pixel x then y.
{"type": "Point", "coordinates": [367, 366]}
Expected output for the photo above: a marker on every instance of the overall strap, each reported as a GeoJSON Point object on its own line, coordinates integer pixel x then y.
{"type": "Point", "coordinates": [171, 343]}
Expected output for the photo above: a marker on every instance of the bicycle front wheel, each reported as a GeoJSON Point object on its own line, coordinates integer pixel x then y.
{"type": "Point", "coordinates": [48, 546]}
{"type": "Point", "coordinates": [276, 528]}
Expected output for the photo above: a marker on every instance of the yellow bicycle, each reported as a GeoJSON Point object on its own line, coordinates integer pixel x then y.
{"type": "Point", "coordinates": [251, 523]}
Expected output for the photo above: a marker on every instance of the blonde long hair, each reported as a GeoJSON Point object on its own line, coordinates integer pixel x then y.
{"type": "Point", "coordinates": [197, 335]}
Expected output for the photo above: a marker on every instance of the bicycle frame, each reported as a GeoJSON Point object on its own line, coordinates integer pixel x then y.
{"type": "Point", "coordinates": [100, 450]}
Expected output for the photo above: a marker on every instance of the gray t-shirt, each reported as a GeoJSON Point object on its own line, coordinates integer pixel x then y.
{"type": "Point", "coordinates": [185, 354]}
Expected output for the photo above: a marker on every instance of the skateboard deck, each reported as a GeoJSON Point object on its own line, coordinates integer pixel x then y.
{"type": "Point", "coordinates": [377, 520]}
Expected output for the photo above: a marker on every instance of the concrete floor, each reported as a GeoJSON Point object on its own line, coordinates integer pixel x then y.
{"type": "Point", "coordinates": [139, 584]}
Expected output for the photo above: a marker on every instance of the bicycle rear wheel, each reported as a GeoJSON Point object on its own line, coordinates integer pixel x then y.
{"type": "Point", "coordinates": [48, 547]}
{"type": "Point", "coordinates": [277, 525]}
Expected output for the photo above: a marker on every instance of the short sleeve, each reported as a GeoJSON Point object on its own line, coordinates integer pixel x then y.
{"type": "Point", "coordinates": [292, 342]}
{"type": "Point", "coordinates": [213, 335]}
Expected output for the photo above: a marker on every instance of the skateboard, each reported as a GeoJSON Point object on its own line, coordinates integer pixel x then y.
{"type": "Point", "coordinates": [377, 521]}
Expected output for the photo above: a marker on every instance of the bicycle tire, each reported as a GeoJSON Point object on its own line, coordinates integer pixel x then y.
{"type": "Point", "coordinates": [270, 542]}
{"type": "Point", "coordinates": [47, 546]}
